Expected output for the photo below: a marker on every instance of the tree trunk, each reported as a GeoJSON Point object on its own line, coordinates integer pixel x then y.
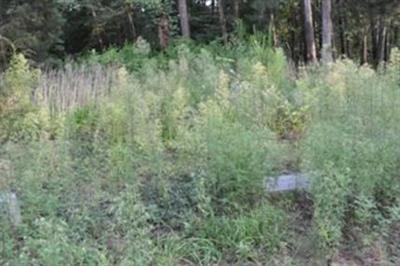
{"type": "Point", "coordinates": [222, 21]}
{"type": "Point", "coordinates": [349, 48]}
{"type": "Point", "coordinates": [309, 32]}
{"type": "Point", "coordinates": [97, 29]}
{"type": "Point", "coordinates": [374, 38]}
{"type": "Point", "coordinates": [315, 8]}
{"type": "Point", "coordinates": [132, 25]}
{"type": "Point", "coordinates": [342, 29]}
{"type": "Point", "coordinates": [381, 42]}
{"type": "Point", "coordinates": [272, 31]}
{"type": "Point", "coordinates": [343, 46]}
{"type": "Point", "coordinates": [364, 52]}
{"type": "Point", "coordinates": [184, 18]}
{"type": "Point", "coordinates": [236, 9]}
{"type": "Point", "coordinates": [327, 31]}
{"type": "Point", "coordinates": [163, 31]}
{"type": "Point", "coordinates": [387, 46]}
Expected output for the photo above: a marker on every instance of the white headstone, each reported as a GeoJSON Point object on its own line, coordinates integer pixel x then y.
{"type": "Point", "coordinates": [288, 182]}
{"type": "Point", "coordinates": [9, 207]}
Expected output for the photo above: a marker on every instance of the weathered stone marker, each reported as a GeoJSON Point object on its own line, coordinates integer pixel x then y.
{"type": "Point", "coordinates": [287, 183]}
{"type": "Point", "coordinates": [9, 207]}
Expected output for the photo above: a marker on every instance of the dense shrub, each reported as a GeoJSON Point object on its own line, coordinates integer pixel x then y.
{"type": "Point", "coordinates": [19, 119]}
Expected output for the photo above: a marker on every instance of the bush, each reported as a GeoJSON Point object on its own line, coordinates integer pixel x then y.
{"type": "Point", "coordinates": [20, 120]}
{"type": "Point", "coordinates": [131, 56]}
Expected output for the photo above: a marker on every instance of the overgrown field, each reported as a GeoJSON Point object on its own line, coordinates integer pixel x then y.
{"type": "Point", "coordinates": [161, 160]}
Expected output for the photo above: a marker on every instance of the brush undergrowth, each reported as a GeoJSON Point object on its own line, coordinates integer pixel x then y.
{"type": "Point", "coordinates": [168, 167]}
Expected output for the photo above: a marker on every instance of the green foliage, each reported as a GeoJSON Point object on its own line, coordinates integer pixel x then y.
{"type": "Point", "coordinates": [60, 29]}
{"type": "Point", "coordinates": [261, 230]}
{"type": "Point", "coordinates": [350, 150]}
{"type": "Point", "coordinates": [37, 36]}
{"type": "Point", "coordinates": [169, 166]}
{"type": "Point", "coordinates": [133, 57]}
{"type": "Point", "coordinates": [155, 4]}
{"type": "Point", "coordinates": [82, 130]}
{"type": "Point", "coordinates": [19, 80]}
{"type": "Point", "coordinates": [19, 119]}
{"type": "Point", "coordinates": [235, 159]}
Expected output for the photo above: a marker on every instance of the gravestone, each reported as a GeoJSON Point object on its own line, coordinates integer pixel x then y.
{"type": "Point", "coordinates": [287, 183]}
{"type": "Point", "coordinates": [9, 207]}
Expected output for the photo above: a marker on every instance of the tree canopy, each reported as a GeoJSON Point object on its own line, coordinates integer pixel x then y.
{"type": "Point", "coordinates": [50, 30]}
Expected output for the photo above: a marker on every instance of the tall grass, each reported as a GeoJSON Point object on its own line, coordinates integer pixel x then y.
{"type": "Point", "coordinates": [74, 86]}
{"type": "Point", "coordinates": [352, 150]}
{"type": "Point", "coordinates": [165, 164]}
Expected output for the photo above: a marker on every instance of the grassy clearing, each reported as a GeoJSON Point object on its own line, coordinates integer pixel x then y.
{"type": "Point", "coordinates": [165, 164]}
